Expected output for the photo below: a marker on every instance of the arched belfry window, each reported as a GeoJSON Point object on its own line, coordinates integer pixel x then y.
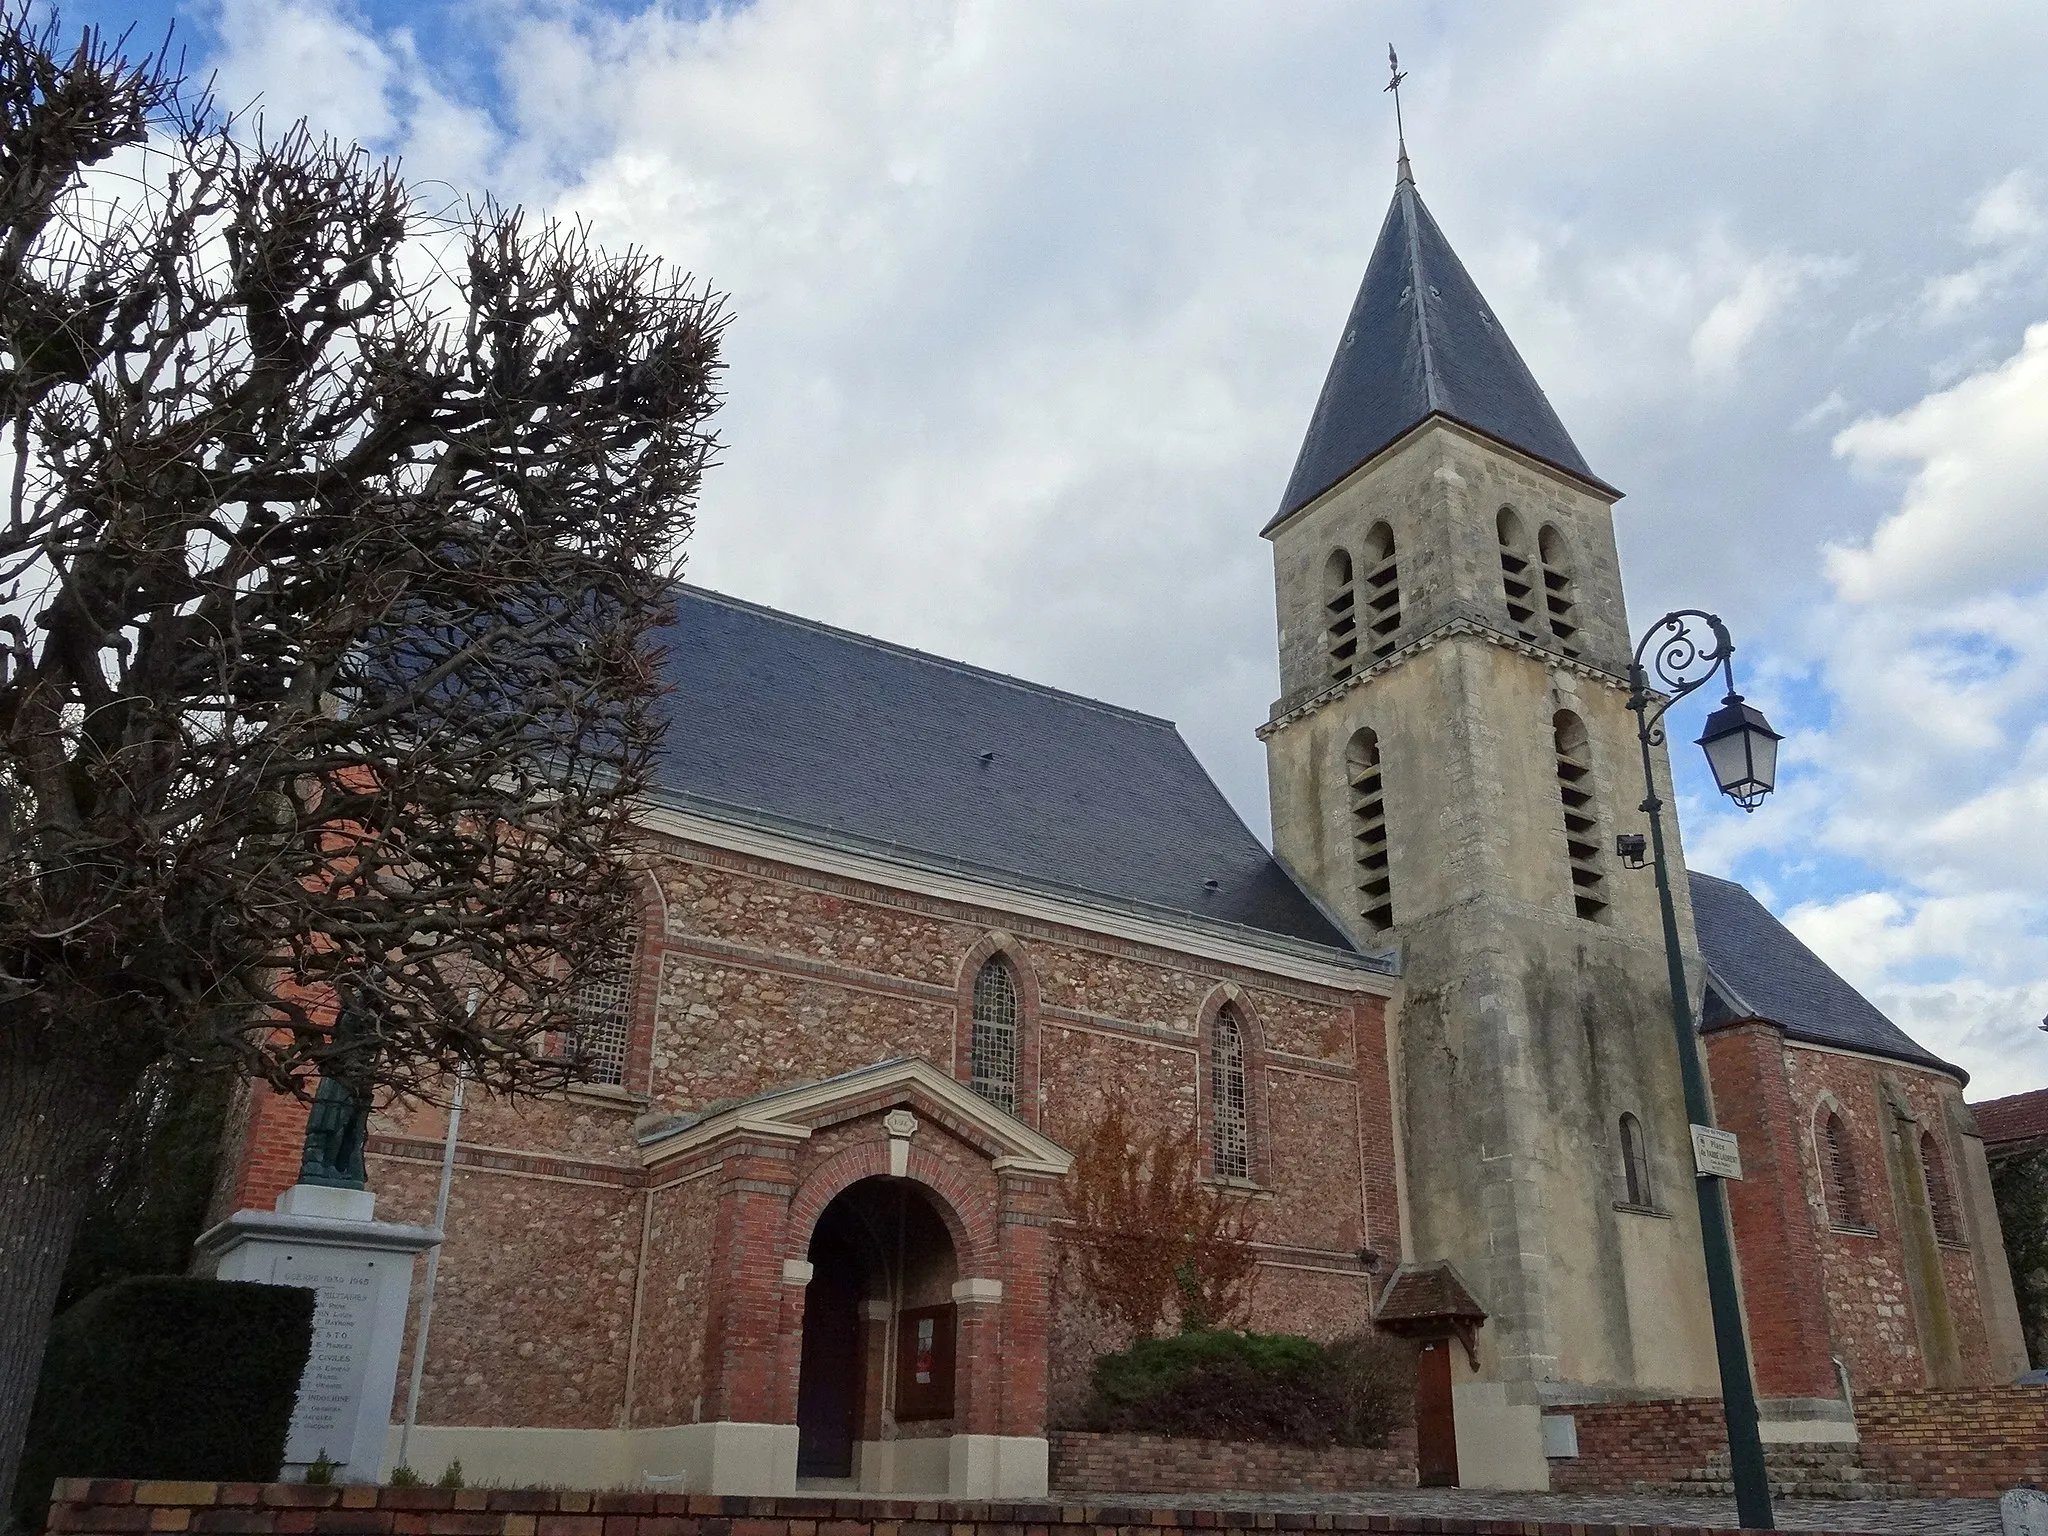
{"type": "Point", "coordinates": [1230, 1122]}
{"type": "Point", "coordinates": [1381, 591]}
{"type": "Point", "coordinates": [993, 1052]}
{"type": "Point", "coordinates": [1517, 581]}
{"type": "Point", "coordinates": [1839, 1180]}
{"type": "Point", "coordinates": [1559, 600]}
{"type": "Point", "coordinates": [602, 1003]}
{"type": "Point", "coordinates": [1941, 1193]}
{"type": "Point", "coordinates": [1635, 1164]}
{"type": "Point", "coordinates": [1373, 872]}
{"type": "Point", "coordinates": [1581, 816]}
{"type": "Point", "coordinates": [1340, 615]}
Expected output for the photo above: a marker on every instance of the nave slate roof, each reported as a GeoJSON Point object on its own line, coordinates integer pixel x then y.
{"type": "Point", "coordinates": [792, 725]}
{"type": "Point", "coordinates": [1421, 341]}
{"type": "Point", "coordinates": [1757, 969]}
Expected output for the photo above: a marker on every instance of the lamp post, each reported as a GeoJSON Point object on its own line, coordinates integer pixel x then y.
{"type": "Point", "coordinates": [1742, 751]}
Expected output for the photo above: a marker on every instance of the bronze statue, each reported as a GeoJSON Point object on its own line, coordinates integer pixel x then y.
{"type": "Point", "coordinates": [338, 1123]}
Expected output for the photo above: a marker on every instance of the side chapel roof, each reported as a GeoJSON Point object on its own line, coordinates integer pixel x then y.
{"type": "Point", "coordinates": [2018, 1120]}
{"type": "Point", "coordinates": [1422, 341]}
{"type": "Point", "coordinates": [789, 724]}
{"type": "Point", "coordinates": [1758, 969]}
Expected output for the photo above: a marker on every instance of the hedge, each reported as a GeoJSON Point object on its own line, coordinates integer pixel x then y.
{"type": "Point", "coordinates": [1277, 1388]}
{"type": "Point", "coordinates": [165, 1376]}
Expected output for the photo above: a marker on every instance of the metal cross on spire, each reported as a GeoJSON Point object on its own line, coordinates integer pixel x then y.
{"type": "Point", "coordinates": [1398, 74]}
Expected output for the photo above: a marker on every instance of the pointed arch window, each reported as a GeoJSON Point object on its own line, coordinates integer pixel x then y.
{"type": "Point", "coordinates": [993, 1050]}
{"type": "Point", "coordinates": [1635, 1164]}
{"type": "Point", "coordinates": [1381, 591]}
{"type": "Point", "coordinates": [1581, 816]}
{"type": "Point", "coordinates": [602, 1004]}
{"type": "Point", "coordinates": [1560, 601]}
{"type": "Point", "coordinates": [1340, 614]}
{"type": "Point", "coordinates": [1517, 581]}
{"type": "Point", "coordinates": [1230, 1135]}
{"type": "Point", "coordinates": [1373, 871]}
{"type": "Point", "coordinates": [1840, 1182]}
{"type": "Point", "coordinates": [1941, 1193]}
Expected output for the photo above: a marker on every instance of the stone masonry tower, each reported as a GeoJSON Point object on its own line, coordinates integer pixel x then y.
{"type": "Point", "coordinates": [1450, 761]}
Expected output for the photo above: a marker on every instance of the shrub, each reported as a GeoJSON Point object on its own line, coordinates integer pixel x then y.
{"type": "Point", "coordinates": [1275, 1388]}
{"type": "Point", "coordinates": [166, 1377]}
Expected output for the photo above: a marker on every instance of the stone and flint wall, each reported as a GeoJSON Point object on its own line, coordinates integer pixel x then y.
{"type": "Point", "coordinates": [103, 1507]}
{"type": "Point", "coordinates": [576, 1291]}
{"type": "Point", "coordinates": [1098, 1463]}
{"type": "Point", "coordinates": [1524, 1032]}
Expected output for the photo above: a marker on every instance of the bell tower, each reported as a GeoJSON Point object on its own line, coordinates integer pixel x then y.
{"type": "Point", "coordinates": [1450, 761]}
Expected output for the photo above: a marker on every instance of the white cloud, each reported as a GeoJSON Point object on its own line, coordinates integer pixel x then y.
{"type": "Point", "coordinates": [1760, 296]}
{"type": "Point", "coordinates": [1033, 302]}
{"type": "Point", "coordinates": [1977, 501]}
{"type": "Point", "coordinates": [2007, 219]}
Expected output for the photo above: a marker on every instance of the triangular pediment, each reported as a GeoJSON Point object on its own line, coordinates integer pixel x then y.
{"type": "Point", "coordinates": [791, 1114]}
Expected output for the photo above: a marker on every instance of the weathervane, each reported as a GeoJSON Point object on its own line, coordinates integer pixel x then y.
{"type": "Point", "coordinates": [1398, 74]}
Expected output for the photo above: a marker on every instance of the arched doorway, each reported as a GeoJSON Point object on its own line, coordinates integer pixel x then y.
{"type": "Point", "coordinates": [879, 1326]}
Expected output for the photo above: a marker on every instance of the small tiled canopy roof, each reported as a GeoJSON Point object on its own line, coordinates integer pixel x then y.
{"type": "Point", "coordinates": [1427, 1294]}
{"type": "Point", "coordinates": [2013, 1122]}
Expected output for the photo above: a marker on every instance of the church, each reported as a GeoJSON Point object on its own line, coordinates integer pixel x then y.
{"type": "Point", "coordinates": [908, 926]}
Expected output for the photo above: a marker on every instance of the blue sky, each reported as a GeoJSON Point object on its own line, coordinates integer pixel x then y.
{"type": "Point", "coordinates": [1034, 300]}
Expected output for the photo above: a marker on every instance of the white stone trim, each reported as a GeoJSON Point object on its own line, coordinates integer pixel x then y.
{"type": "Point", "coordinates": [976, 1291]}
{"type": "Point", "coordinates": [1161, 933]}
{"type": "Point", "coordinates": [781, 1115]}
{"type": "Point", "coordinates": [797, 1271]}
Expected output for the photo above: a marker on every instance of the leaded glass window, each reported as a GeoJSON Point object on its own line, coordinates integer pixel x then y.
{"type": "Point", "coordinates": [993, 1052]}
{"type": "Point", "coordinates": [1230, 1130]}
{"type": "Point", "coordinates": [603, 1005]}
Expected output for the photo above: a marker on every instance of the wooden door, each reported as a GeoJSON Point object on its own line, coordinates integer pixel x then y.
{"type": "Point", "coordinates": [1436, 1431]}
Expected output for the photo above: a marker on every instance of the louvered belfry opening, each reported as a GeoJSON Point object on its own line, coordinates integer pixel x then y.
{"type": "Point", "coordinates": [1844, 1190]}
{"type": "Point", "coordinates": [603, 1005]}
{"type": "Point", "coordinates": [1517, 581]}
{"type": "Point", "coordinates": [1635, 1163]}
{"type": "Point", "coordinates": [1340, 611]}
{"type": "Point", "coordinates": [1581, 816]}
{"type": "Point", "coordinates": [1941, 1194]}
{"type": "Point", "coordinates": [1382, 591]}
{"type": "Point", "coordinates": [993, 1051]}
{"type": "Point", "coordinates": [1230, 1139]}
{"type": "Point", "coordinates": [1369, 832]}
{"type": "Point", "coordinates": [1559, 600]}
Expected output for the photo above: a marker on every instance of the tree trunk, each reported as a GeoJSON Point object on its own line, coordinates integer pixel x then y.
{"type": "Point", "coordinates": [55, 1117]}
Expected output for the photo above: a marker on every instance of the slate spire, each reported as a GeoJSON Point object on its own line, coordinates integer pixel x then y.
{"type": "Point", "coordinates": [1422, 341]}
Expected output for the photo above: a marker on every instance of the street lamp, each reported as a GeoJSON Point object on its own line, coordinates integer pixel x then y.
{"type": "Point", "coordinates": [1742, 751]}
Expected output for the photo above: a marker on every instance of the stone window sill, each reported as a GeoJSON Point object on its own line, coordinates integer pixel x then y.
{"type": "Point", "coordinates": [1642, 1210]}
{"type": "Point", "coordinates": [1852, 1231]}
{"type": "Point", "coordinates": [607, 1096]}
{"type": "Point", "coordinates": [1236, 1186]}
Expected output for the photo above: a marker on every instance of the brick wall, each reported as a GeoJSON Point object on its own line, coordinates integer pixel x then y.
{"type": "Point", "coordinates": [1091, 1463]}
{"type": "Point", "coordinates": [105, 1507]}
{"type": "Point", "coordinates": [1625, 1446]}
{"type": "Point", "coordinates": [569, 1272]}
{"type": "Point", "coordinates": [1783, 1300]}
{"type": "Point", "coordinates": [1971, 1444]}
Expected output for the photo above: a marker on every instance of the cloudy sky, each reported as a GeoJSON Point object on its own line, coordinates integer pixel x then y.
{"type": "Point", "coordinates": [1033, 300]}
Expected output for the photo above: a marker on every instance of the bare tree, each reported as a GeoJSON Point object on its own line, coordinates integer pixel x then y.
{"type": "Point", "coordinates": [1150, 1237]}
{"type": "Point", "coordinates": [338, 533]}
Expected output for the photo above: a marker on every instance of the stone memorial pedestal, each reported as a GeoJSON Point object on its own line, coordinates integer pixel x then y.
{"type": "Point", "coordinates": [2024, 1512]}
{"type": "Point", "coordinates": [360, 1269]}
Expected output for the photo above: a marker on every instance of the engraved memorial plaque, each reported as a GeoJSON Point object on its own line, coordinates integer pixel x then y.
{"type": "Point", "coordinates": [345, 1290]}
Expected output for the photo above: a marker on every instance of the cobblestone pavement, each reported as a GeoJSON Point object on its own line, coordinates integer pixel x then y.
{"type": "Point", "coordinates": [1899, 1517]}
